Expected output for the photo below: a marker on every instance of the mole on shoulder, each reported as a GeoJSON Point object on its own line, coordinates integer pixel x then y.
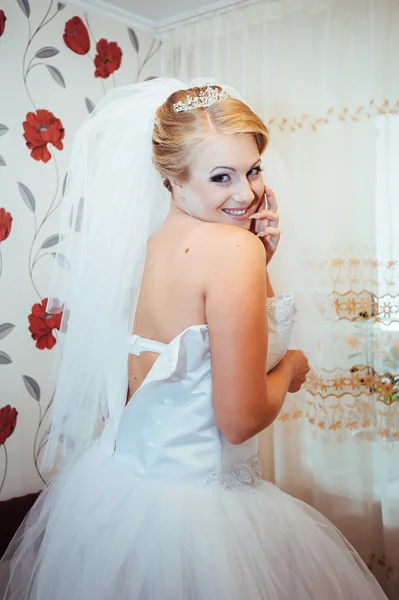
{"type": "Point", "coordinates": [186, 250]}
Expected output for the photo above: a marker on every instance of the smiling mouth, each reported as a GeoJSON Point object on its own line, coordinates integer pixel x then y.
{"type": "Point", "coordinates": [238, 212]}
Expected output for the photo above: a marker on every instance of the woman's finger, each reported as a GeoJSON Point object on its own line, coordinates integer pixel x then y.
{"type": "Point", "coordinates": [270, 231]}
{"type": "Point", "coordinates": [271, 199]}
{"type": "Point", "coordinates": [266, 215]}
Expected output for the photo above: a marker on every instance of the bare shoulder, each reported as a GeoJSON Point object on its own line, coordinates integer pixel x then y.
{"type": "Point", "coordinates": [234, 274]}
{"type": "Point", "coordinates": [217, 232]}
{"type": "Point", "coordinates": [223, 246]}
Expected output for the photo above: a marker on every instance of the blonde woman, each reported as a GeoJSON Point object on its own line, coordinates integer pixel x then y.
{"type": "Point", "coordinates": [167, 302]}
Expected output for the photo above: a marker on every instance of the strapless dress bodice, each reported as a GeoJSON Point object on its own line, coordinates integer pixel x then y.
{"type": "Point", "coordinates": [168, 432]}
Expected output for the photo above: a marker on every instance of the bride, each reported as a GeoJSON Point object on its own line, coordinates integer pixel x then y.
{"type": "Point", "coordinates": [167, 228]}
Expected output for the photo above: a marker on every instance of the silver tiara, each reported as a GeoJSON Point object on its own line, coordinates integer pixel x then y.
{"type": "Point", "coordinates": [206, 97]}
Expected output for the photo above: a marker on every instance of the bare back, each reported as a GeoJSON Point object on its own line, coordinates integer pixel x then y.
{"type": "Point", "coordinates": [172, 291]}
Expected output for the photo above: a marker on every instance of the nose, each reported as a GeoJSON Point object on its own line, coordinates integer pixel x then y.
{"type": "Point", "coordinates": [244, 193]}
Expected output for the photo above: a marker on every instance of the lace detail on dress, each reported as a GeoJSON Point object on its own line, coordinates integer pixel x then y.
{"type": "Point", "coordinates": [281, 312]}
{"type": "Point", "coordinates": [243, 473]}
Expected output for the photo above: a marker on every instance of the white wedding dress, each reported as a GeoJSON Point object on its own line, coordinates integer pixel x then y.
{"type": "Point", "coordinates": [173, 511]}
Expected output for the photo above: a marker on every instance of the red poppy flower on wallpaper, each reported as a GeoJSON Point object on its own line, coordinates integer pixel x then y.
{"type": "Point", "coordinates": [41, 325]}
{"type": "Point", "coordinates": [76, 36]}
{"type": "Point", "coordinates": [108, 58]}
{"type": "Point", "coordinates": [5, 224]}
{"type": "Point", "coordinates": [8, 422]}
{"type": "Point", "coordinates": [42, 128]}
{"type": "Point", "coordinates": [3, 20]}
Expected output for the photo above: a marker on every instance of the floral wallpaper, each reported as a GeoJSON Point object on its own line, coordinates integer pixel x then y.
{"type": "Point", "coordinates": [57, 63]}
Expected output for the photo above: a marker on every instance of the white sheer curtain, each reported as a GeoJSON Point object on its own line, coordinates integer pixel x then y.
{"type": "Point", "coordinates": [324, 75]}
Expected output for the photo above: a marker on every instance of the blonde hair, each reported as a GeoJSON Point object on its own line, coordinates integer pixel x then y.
{"type": "Point", "coordinates": [179, 136]}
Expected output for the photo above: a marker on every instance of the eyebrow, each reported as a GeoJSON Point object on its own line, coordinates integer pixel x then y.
{"type": "Point", "coordinates": [232, 168]}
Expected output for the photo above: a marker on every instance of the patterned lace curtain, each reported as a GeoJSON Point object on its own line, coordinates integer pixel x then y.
{"type": "Point", "coordinates": [324, 75]}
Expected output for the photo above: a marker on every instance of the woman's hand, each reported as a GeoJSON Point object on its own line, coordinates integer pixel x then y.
{"type": "Point", "coordinates": [299, 366]}
{"type": "Point", "coordinates": [265, 223]}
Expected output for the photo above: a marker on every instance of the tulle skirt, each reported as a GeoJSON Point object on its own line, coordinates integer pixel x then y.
{"type": "Point", "coordinates": [96, 533]}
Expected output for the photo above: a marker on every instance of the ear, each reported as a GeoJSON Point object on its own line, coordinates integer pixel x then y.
{"type": "Point", "coordinates": [176, 183]}
{"type": "Point", "coordinates": [177, 188]}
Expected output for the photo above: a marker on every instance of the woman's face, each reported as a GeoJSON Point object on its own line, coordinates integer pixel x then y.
{"type": "Point", "coordinates": [226, 182]}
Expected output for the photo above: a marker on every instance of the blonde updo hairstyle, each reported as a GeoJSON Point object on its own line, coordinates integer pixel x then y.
{"type": "Point", "coordinates": [179, 137]}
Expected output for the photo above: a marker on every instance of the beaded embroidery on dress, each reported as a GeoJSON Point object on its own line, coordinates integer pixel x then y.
{"type": "Point", "coordinates": [281, 312]}
{"type": "Point", "coordinates": [170, 510]}
{"type": "Point", "coordinates": [243, 473]}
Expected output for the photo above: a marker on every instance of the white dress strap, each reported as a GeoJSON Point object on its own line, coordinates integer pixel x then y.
{"type": "Point", "coordinates": [138, 345]}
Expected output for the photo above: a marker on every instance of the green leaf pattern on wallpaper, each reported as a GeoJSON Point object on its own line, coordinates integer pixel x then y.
{"type": "Point", "coordinates": [51, 41]}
